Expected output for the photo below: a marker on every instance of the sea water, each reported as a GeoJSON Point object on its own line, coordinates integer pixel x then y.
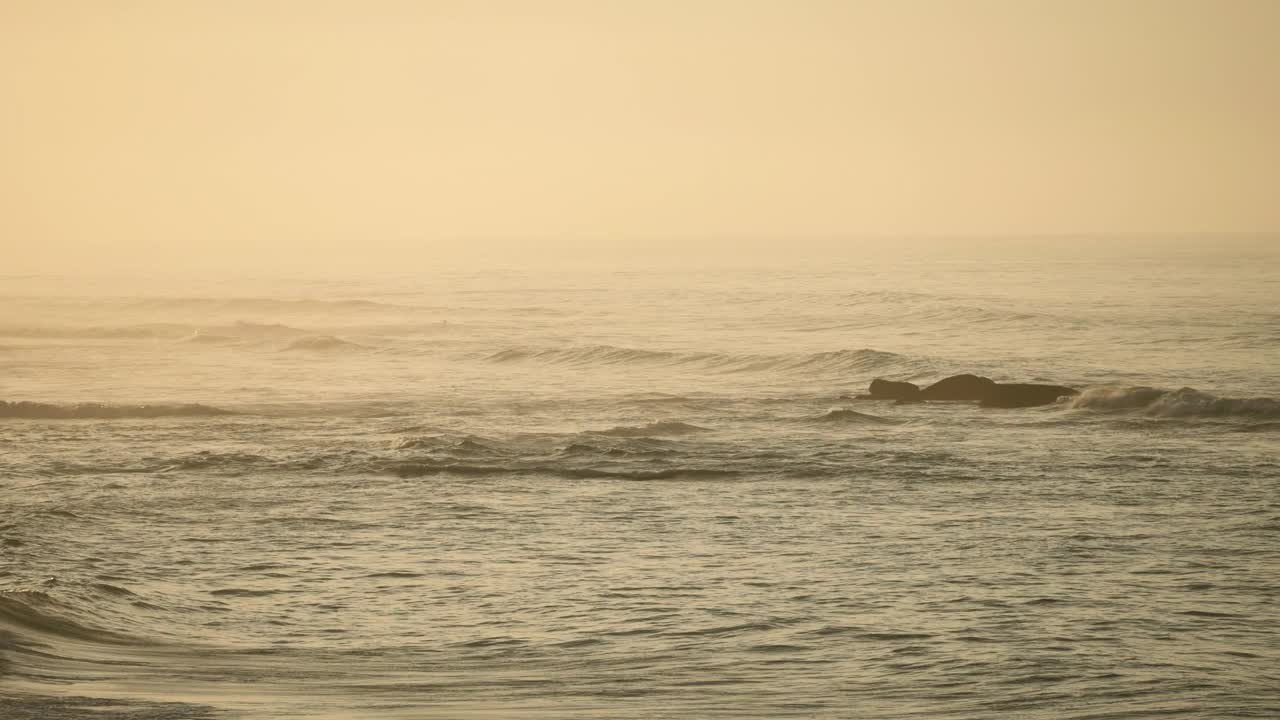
{"type": "Point", "coordinates": [643, 489]}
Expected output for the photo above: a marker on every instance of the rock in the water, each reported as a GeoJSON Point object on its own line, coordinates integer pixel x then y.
{"type": "Point", "coordinates": [891, 390]}
{"type": "Point", "coordinates": [959, 387]}
{"type": "Point", "coordinates": [971, 388]}
{"type": "Point", "coordinates": [1019, 395]}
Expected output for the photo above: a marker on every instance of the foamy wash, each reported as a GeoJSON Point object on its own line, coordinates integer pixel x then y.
{"type": "Point", "coordinates": [650, 492]}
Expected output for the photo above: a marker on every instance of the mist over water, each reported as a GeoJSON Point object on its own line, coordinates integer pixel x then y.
{"type": "Point", "coordinates": [643, 490]}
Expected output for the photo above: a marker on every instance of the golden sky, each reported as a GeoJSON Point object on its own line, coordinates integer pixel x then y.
{"type": "Point", "coordinates": [229, 131]}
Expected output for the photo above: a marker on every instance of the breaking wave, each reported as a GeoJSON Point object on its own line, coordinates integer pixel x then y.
{"type": "Point", "coordinates": [1186, 402]}
{"type": "Point", "coordinates": [100, 411]}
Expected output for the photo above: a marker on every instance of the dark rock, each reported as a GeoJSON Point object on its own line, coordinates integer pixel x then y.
{"type": "Point", "coordinates": [970, 388]}
{"type": "Point", "coordinates": [1019, 395]}
{"type": "Point", "coordinates": [959, 387]}
{"type": "Point", "coordinates": [891, 390]}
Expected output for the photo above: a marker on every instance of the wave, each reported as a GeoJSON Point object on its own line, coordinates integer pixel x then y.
{"type": "Point", "coordinates": [251, 305]}
{"type": "Point", "coordinates": [226, 463]}
{"type": "Point", "coordinates": [631, 447]}
{"type": "Point", "coordinates": [910, 307]}
{"type": "Point", "coordinates": [669, 427]}
{"type": "Point", "coordinates": [897, 297]}
{"type": "Point", "coordinates": [844, 415]}
{"type": "Point", "coordinates": [1186, 402]}
{"type": "Point", "coordinates": [148, 331]}
{"type": "Point", "coordinates": [213, 460]}
{"type": "Point", "coordinates": [156, 331]}
{"type": "Point", "coordinates": [203, 338]}
{"type": "Point", "coordinates": [259, 331]}
{"type": "Point", "coordinates": [955, 313]}
{"type": "Point", "coordinates": [420, 469]}
{"type": "Point", "coordinates": [100, 411]}
{"type": "Point", "coordinates": [322, 343]}
{"type": "Point", "coordinates": [241, 331]}
{"type": "Point", "coordinates": [467, 445]}
{"type": "Point", "coordinates": [590, 354]}
{"type": "Point", "coordinates": [843, 361]}
{"type": "Point", "coordinates": [36, 611]}
{"type": "Point", "coordinates": [637, 441]}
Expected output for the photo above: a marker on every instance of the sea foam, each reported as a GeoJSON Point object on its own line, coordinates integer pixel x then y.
{"type": "Point", "coordinates": [1185, 402]}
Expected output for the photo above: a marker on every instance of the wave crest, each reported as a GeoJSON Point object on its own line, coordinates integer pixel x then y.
{"type": "Point", "coordinates": [843, 361]}
{"type": "Point", "coordinates": [853, 417]}
{"type": "Point", "coordinates": [668, 427]}
{"type": "Point", "coordinates": [36, 611]}
{"type": "Point", "coordinates": [1185, 402]}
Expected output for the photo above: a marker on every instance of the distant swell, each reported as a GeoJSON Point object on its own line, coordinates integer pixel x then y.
{"type": "Point", "coordinates": [1186, 402]}
{"type": "Point", "coordinates": [48, 411]}
{"type": "Point", "coordinates": [606, 355]}
{"type": "Point", "coordinates": [128, 332]}
{"type": "Point", "coordinates": [261, 305]}
{"type": "Point", "coordinates": [199, 333]}
{"type": "Point", "coordinates": [420, 469]}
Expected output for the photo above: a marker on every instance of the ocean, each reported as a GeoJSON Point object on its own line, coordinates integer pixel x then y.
{"type": "Point", "coordinates": [644, 489]}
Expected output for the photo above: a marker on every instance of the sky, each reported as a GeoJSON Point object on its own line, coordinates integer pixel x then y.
{"type": "Point", "coordinates": [140, 133]}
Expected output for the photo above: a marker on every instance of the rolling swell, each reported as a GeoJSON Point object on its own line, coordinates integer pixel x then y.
{"type": "Point", "coordinates": [1186, 402]}
{"type": "Point", "coordinates": [28, 612]}
{"type": "Point", "coordinates": [186, 331]}
{"type": "Point", "coordinates": [123, 332]}
{"type": "Point", "coordinates": [862, 360]}
{"type": "Point", "coordinates": [250, 305]}
{"type": "Point", "coordinates": [101, 411]}
{"type": "Point", "coordinates": [625, 452]}
{"type": "Point", "coordinates": [420, 469]}
{"type": "Point", "coordinates": [221, 463]}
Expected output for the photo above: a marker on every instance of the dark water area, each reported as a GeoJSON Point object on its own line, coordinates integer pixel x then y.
{"type": "Point", "coordinates": [647, 492]}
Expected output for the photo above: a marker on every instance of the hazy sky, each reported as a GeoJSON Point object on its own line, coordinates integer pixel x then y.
{"type": "Point", "coordinates": [262, 131]}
